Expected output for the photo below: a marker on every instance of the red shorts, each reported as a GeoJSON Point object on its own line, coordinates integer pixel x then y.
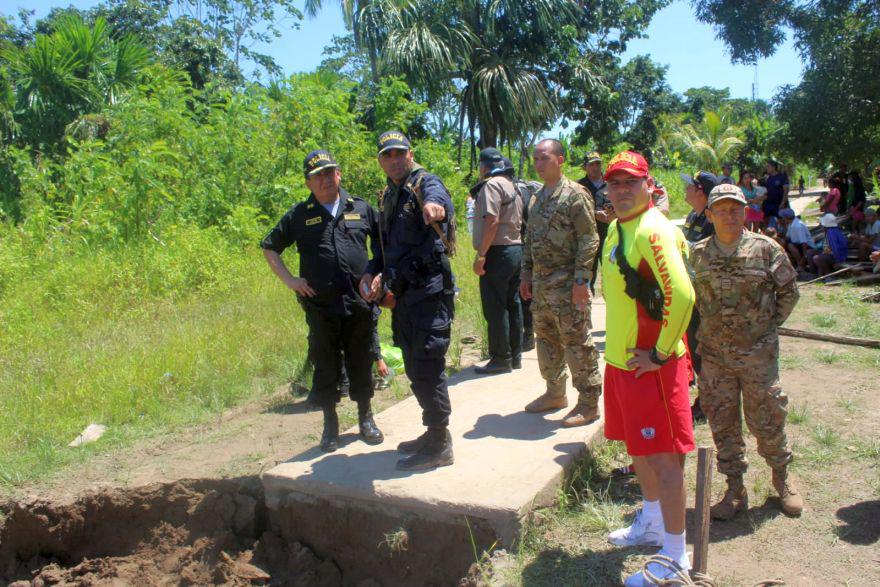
{"type": "Point", "coordinates": [651, 414]}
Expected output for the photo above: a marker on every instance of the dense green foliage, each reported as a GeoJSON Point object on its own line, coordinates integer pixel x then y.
{"type": "Point", "coordinates": [833, 115]}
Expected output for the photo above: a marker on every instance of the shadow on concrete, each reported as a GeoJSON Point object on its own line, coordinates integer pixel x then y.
{"type": "Point", "coordinates": [516, 426]}
{"type": "Point", "coordinates": [568, 449]}
{"type": "Point", "coordinates": [589, 568]}
{"type": "Point", "coordinates": [352, 470]}
{"type": "Point", "coordinates": [862, 522]}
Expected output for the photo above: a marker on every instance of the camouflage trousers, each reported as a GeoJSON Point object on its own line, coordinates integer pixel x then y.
{"type": "Point", "coordinates": [563, 335]}
{"type": "Point", "coordinates": [730, 382]}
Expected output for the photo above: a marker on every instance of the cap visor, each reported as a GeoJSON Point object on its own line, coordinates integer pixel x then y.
{"type": "Point", "coordinates": [321, 168]}
{"type": "Point", "coordinates": [390, 147]}
{"type": "Point", "coordinates": [687, 178]}
{"type": "Point", "coordinates": [633, 172]}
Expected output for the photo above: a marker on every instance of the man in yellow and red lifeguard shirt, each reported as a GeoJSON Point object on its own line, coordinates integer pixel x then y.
{"type": "Point", "coordinates": [649, 299]}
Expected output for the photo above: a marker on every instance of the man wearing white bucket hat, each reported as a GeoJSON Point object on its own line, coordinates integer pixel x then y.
{"type": "Point", "coordinates": [834, 248]}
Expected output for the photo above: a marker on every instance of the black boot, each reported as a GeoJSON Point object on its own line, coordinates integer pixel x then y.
{"type": "Point", "coordinates": [493, 367]}
{"type": "Point", "coordinates": [528, 342]}
{"type": "Point", "coordinates": [330, 436]}
{"type": "Point", "coordinates": [370, 433]}
{"type": "Point", "coordinates": [436, 452]}
{"type": "Point", "coordinates": [516, 362]}
{"type": "Point", "coordinates": [412, 446]}
{"type": "Point", "coordinates": [697, 411]}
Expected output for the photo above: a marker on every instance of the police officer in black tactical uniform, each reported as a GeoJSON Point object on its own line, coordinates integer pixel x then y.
{"type": "Point", "coordinates": [417, 223]}
{"type": "Point", "coordinates": [697, 227]}
{"type": "Point", "coordinates": [330, 231]}
{"type": "Point", "coordinates": [594, 182]}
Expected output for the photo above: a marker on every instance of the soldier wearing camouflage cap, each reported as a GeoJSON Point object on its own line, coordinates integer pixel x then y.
{"type": "Point", "coordinates": [561, 243]}
{"type": "Point", "coordinates": [745, 288]}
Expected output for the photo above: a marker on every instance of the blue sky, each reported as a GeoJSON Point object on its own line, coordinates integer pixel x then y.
{"type": "Point", "coordinates": [675, 38]}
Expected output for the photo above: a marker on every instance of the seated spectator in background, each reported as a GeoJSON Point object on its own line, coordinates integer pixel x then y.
{"type": "Point", "coordinates": [869, 240]}
{"type": "Point", "coordinates": [774, 234]}
{"type": "Point", "coordinates": [798, 241]}
{"type": "Point", "coordinates": [754, 215]}
{"type": "Point", "coordinates": [875, 259]}
{"type": "Point", "coordinates": [857, 202]}
{"type": "Point", "coordinates": [832, 199]}
{"type": "Point", "coordinates": [834, 248]}
{"type": "Point", "coordinates": [726, 174]}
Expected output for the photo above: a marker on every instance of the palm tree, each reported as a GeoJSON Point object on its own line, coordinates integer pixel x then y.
{"type": "Point", "coordinates": [478, 47]}
{"type": "Point", "coordinates": [78, 69]}
{"type": "Point", "coordinates": [710, 143]}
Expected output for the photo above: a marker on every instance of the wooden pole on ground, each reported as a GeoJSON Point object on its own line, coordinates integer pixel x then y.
{"type": "Point", "coordinates": [826, 276]}
{"type": "Point", "coordinates": [838, 338]}
{"type": "Point", "coordinates": [705, 458]}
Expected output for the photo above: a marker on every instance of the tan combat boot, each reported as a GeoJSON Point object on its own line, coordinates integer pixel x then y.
{"type": "Point", "coordinates": [581, 415]}
{"type": "Point", "coordinates": [586, 411]}
{"type": "Point", "coordinates": [547, 402]}
{"type": "Point", "coordinates": [735, 500]}
{"type": "Point", "coordinates": [792, 503]}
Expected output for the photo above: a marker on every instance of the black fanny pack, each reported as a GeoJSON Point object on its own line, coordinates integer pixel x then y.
{"type": "Point", "coordinates": [648, 293]}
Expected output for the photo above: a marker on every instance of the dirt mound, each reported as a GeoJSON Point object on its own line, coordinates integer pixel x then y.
{"type": "Point", "coordinates": [194, 532]}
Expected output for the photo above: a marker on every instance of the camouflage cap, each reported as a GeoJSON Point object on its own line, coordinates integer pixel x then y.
{"type": "Point", "coordinates": [726, 191]}
{"type": "Point", "coordinates": [317, 161]}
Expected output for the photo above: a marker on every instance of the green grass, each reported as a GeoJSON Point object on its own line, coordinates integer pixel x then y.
{"type": "Point", "coordinates": [825, 436]}
{"type": "Point", "coordinates": [798, 414]}
{"type": "Point", "coordinates": [149, 339]}
{"type": "Point", "coordinates": [828, 356]}
{"type": "Point", "coordinates": [823, 320]}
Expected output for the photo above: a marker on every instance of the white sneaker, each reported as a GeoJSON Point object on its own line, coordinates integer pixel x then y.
{"type": "Point", "coordinates": [641, 532]}
{"type": "Point", "coordinates": [661, 572]}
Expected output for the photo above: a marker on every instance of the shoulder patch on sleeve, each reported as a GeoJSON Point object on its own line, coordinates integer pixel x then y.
{"type": "Point", "coordinates": [781, 269]}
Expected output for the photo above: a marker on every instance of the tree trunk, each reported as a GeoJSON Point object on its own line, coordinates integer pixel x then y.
{"type": "Point", "coordinates": [488, 134]}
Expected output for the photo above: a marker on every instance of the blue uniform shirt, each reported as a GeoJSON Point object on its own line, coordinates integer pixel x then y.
{"type": "Point", "coordinates": [415, 260]}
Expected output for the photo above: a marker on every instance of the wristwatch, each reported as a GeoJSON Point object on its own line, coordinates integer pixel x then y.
{"type": "Point", "coordinates": [579, 281]}
{"type": "Point", "coordinates": [655, 359]}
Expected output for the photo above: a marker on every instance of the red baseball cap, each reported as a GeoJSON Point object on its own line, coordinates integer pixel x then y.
{"type": "Point", "coordinates": [629, 162]}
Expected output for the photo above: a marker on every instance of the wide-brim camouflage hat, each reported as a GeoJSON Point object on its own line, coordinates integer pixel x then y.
{"type": "Point", "coordinates": [726, 191]}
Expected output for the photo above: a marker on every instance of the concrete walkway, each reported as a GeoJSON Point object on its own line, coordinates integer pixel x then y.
{"type": "Point", "coordinates": [506, 461]}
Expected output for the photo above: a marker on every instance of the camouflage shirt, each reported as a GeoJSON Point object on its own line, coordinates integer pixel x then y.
{"type": "Point", "coordinates": [561, 237]}
{"type": "Point", "coordinates": [742, 296]}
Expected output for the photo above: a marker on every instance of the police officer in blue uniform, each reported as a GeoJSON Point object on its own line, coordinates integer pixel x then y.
{"type": "Point", "coordinates": [417, 223]}
{"type": "Point", "coordinates": [330, 231]}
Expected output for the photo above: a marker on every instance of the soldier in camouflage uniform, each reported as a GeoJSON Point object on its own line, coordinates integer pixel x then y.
{"type": "Point", "coordinates": [745, 288]}
{"type": "Point", "coordinates": [561, 243]}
